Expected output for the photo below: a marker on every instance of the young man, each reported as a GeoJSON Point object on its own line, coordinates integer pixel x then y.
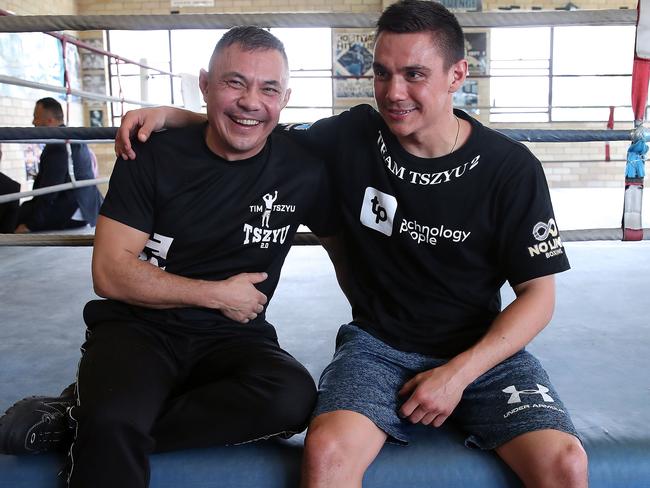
{"type": "Point", "coordinates": [64, 209]}
{"type": "Point", "coordinates": [181, 354]}
{"type": "Point", "coordinates": [438, 212]}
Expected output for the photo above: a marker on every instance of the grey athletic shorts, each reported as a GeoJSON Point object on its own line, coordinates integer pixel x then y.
{"type": "Point", "coordinates": [512, 398]}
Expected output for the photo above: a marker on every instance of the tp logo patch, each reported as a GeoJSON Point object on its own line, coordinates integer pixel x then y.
{"type": "Point", "coordinates": [378, 210]}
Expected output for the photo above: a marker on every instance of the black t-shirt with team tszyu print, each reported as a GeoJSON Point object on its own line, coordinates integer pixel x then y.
{"type": "Point", "coordinates": [431, 241]}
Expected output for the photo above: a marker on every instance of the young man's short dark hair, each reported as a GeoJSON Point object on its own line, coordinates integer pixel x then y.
{"type": "Point", "coordinates": [410, 16]}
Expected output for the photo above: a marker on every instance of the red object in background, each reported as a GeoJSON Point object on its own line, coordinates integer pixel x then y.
{"type": "Point", "coordinates": [640, 78]}
{"type": "Point", "coordinates": [610, 125]}
{"type": "Point", "coordinates": [632, 209]}
{"type": "Point", "coordinates": [640, 75]}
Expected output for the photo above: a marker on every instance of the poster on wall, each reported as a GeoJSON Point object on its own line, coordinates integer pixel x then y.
{"type": "Point", "coordinates": [92, 60]}
{"type": "Point", "coordinates": [95, 83]}
{"type": "Point", "coordinates": [476, 52]}
{"type": "Point", "coordinates": [463, 5]}
{"type": "Point", "coordinates": [35, 57]}
{"type": "Point", "coordinates": [352, 60]}
{"type": "Point", "coordinates": [192, 3]}
{"type": "Point", "coordinates": [32, 157]}
{"type": "Point", "coordinates": [96, 118]}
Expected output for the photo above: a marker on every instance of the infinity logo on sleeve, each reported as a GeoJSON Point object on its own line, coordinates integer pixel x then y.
{"type": "Point", "coordinates": [549, 241]}
{"type": "Point", "coordinates": [543, 230]}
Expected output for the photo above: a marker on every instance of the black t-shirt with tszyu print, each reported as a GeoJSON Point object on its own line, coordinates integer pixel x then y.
{"type": "Point", "coordinates": [210, 219]}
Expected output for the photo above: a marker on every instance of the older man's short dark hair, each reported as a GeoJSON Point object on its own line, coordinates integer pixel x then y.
{"type": "Point", "coordinates": [250, 38]}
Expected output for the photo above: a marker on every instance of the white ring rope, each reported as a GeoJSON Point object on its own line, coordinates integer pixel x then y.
{"type": "Point", "coordinates": [42, 23]}
{"type": "Point", "coordinates": [68, 150]}
{"type": "Point", "coordinates": [10, 80]}
{"type": "Point", "coordinates": [9, 197]}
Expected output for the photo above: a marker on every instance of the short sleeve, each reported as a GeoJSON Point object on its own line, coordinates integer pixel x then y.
{"type": "Point", "coordinates": [529, 241]}
{"type": "Point", "coordinates": [131, 192]}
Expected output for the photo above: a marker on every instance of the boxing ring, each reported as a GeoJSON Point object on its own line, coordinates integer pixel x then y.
{"type": "Point", "coordinates": [596, 349]}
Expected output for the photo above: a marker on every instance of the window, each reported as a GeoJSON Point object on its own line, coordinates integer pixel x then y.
{"type": "Point", "coordinates": [310, 61]}
{"type": "Point", "coordinates": [146, 47]}
{"type": "Point", "coordinates": [561, 73]}
{"type": "Point", "coordinates": [592, 69]}
{"type": "Point", "coordinates": [519, 69]}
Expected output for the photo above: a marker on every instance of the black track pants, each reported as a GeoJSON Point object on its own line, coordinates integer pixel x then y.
{"type": "Point", "coordinates": [142, 389]}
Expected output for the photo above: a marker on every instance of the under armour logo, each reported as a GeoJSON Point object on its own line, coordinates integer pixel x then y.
{"type": "Point", "coordinates": [515, 395]}
{"type": "Point", "coordinates": [542, 230]}
{"type": "Point", "coordinates": [378, 210]}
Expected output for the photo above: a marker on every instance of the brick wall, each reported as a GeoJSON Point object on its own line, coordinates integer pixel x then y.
{"type": "Point", "coordinates": [582, 164]}
{"type": "Point", "coordinates": [234, 6]}
{"type": "Point", "coordinates": [39, 7]}
{"type": "Point", "coordinates": [553, 4]}
{"type": "Point", "coordinates": [229, 6]}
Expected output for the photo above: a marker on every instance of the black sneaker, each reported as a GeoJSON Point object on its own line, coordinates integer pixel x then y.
{"type": "Point", "coordinates": [36, 424]}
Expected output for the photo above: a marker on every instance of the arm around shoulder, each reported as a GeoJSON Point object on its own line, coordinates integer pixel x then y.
{"type": "Point", "coordinates": [142, 122]}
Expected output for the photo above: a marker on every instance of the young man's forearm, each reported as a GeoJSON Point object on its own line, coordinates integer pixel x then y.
{"type": "Point", "coordinates": [180, 117]}
{"type": "Point", "coordinates": [436, 392]}
{"type": "Point", "coordinates": [142, 122]}
{"type": "Point", "coordinates": [512, 329]}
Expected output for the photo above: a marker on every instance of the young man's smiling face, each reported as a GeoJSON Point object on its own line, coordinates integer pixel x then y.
{"type": "Point", "coordinates": [245, 91]}
{"type": "Point", "coordinates": [413, 87]}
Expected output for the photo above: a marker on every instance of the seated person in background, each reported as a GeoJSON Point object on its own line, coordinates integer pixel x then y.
{"type": "Point", "coordinates": [181, 355]}
{"type": "Point", "coordinates": [8, 210]}
{"type": "Point", "coordinates": [64, 209]}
